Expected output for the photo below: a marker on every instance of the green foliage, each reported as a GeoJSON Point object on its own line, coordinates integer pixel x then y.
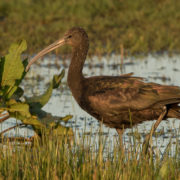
{"type": "Point", "coordinates": [18, 108]}
{"type": "Point", "coordinates": [141, 26]}
{"type": "Point", "coordinates": [12, 69]}
{"type": "Point", "coordinates": [12, 72]}
{"type": "Point", "coordinates": [40, 101]}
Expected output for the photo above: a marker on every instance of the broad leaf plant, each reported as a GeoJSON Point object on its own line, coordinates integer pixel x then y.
{"type": "Point", "coordinates": [29, 111]}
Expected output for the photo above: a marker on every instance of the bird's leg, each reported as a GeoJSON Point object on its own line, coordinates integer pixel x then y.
{"type": "Point", "coordinates": [120, 133]}
{"type": "Point", "coordinates": [154, 127]}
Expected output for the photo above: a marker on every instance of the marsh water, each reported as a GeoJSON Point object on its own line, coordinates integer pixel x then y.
{"type": "Point", "coordinates": [161, 69]}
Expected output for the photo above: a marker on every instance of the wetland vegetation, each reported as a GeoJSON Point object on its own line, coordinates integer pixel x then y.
{"type": "Point", "coordinates": [138, 27]}
{"type": "Point", "coordinates": [63, 158]}
{"type": "Point", "coordinates": [83, 156]}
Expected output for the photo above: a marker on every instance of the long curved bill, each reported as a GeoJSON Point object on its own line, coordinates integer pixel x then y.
{"type": "Point", "coordinates": [45, 51]}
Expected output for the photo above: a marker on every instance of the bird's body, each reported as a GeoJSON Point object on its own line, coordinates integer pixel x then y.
{"type": "Point", "coordinates": [123, 101]}
{"type": "Point", "coordinates": [117, 101]}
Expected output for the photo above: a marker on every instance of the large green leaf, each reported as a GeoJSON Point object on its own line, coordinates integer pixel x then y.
{"type": "Point", "coordinates": [57, 79]}
{"type": "Point", "coordinates": [18, 93]}
{"type": "Point", "coordinates": [66, 118]}
{"type": "Point", "coordinates": [12, 71]}
{"type": "Point", "coordinates": [39, 101]}
{"type": "Point", "coordinates": [18, 109]}
{"type": "Point", "coordinates": [15, 89]}
{"type": "Point", "coordinates": [45, 124]}
{"type": "Point", "coordinates": [13, 67]}
{"type": "Point", "coordinates": [61, 130]}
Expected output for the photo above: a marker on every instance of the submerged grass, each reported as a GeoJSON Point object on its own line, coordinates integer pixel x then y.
{"type": "Point", "coordinates": [138, 26]}
{"type": "Point", "coordinates": [66, 158]}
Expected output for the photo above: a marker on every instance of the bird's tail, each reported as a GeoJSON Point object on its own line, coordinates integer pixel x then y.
{"type": "Point", "coordinates": [174, 111]}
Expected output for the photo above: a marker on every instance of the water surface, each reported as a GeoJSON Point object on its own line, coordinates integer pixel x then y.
{"type": "Point", "coordinates": [154, 68]}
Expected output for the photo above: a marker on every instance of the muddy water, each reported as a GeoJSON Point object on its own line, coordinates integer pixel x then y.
{"type": "Point", "coordinates": [155, 68]}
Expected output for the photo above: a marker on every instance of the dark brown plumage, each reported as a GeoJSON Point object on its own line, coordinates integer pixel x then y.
{"type": "Point", "coordinates": [117, 101]}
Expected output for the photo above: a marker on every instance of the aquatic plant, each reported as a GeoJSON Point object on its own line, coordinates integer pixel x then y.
{"type": "Point", "coordinates": [87, 158]}
{"type": "Point", "coordinates": [140, 26]}
{"type": "Point", "coordinates": [12, 72]}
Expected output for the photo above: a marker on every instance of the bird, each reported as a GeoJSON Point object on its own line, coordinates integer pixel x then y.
{"type": "Point", "coordinates": [119, 102]}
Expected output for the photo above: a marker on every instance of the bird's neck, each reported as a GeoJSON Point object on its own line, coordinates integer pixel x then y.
{"type": "Point", "coordinates": [75, 75]}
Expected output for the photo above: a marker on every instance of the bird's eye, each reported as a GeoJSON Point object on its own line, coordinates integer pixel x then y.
{"type": "Point", "coordinates": [69, 36]}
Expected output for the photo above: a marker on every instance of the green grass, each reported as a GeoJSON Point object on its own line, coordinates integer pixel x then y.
{"type": "Point", "coordinates": [140, 26]}
{"type": "Point", "coordinates": [66, 158]}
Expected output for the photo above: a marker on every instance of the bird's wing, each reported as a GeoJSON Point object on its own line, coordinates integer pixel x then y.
{"type": "Point", "coordinates": [123, 93]}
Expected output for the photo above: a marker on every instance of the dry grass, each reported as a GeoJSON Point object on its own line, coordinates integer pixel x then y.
{"type": "Point", "coordinates": [84, 158]}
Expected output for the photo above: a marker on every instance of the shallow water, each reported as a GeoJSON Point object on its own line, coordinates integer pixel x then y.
{"type": "Point", "coordinates": [155, 68]}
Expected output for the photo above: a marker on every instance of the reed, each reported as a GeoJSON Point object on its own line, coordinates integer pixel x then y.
{"type": "Point", "coordinates": [85, 157]}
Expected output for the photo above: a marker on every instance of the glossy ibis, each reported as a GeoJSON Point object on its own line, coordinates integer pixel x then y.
{"type": "Point", "coordinates": [117, 101]}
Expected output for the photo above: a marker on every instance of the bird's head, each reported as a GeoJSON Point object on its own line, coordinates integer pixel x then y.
{"type": "Point", "coordinates": [75, 37]}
